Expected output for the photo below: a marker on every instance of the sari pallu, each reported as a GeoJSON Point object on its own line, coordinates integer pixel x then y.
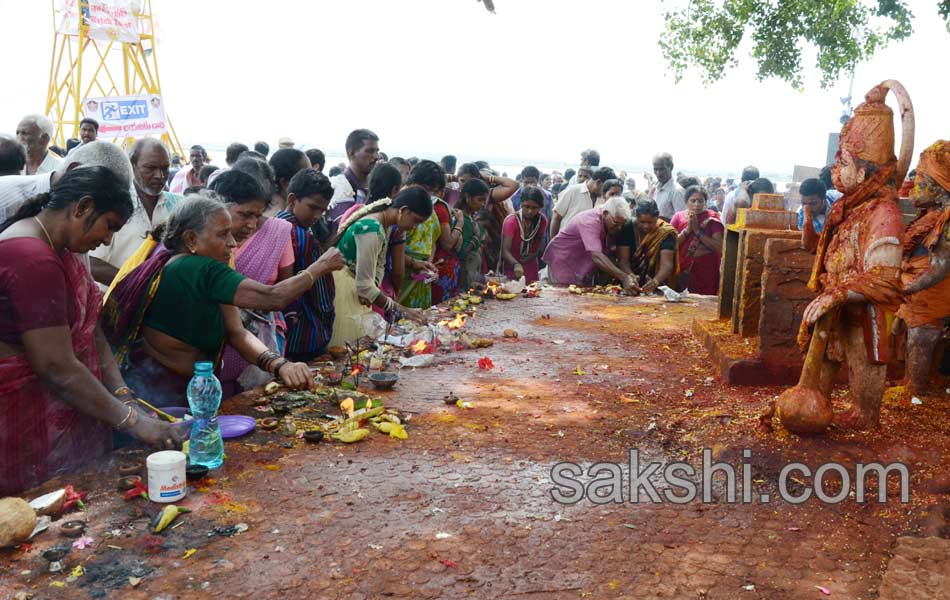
{"type": "Point", "coordinates": [416, 293]}
{"type": "Point", "coordinates": [699, 274]}
{"type": "Point", "coordinates": [258, 260]}
{"type": "Point", "coordinates": [646, 260]}
{"type": "Point", "coordinates": [128, 301]}
{"type": "Point", "coordinates": [310, 318]}
{"type": "Point", "coordinates": [40, 435]}
{"type": "Point", "coordinates": [447, 285]}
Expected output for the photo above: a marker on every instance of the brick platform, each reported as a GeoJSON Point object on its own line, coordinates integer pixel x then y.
{"type": "Point", "coordinates": [737, 358]}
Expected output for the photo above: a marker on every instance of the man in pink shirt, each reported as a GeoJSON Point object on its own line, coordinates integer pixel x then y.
{"type": "Point", "coordinates": [578, 251]}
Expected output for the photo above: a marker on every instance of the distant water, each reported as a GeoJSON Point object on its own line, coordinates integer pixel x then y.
{"type": "Point", "coordinates": [512, 170]}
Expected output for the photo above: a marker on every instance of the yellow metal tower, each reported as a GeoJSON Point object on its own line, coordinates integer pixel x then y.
{"type": "Point", "coordinates": [85, 66]}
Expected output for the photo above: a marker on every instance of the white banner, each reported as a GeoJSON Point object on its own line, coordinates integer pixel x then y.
{"type": "Point", "coordinates": [112, 20]}
{"type": "Point", "coordinates": [67, 17]}
{"type": "Point", "coordinates": [127, 116]}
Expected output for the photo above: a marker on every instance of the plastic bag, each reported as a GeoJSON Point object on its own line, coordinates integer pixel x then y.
{"type": "Point", "coordinates": [672, 296]}
{"type": "Point", "coordinates": [419, 360]}
{"type": "Point", "coordinates": [372, 324]}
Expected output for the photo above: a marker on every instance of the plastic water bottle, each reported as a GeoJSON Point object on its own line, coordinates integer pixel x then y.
{"type": "Point", "coordinates": [204, 397]}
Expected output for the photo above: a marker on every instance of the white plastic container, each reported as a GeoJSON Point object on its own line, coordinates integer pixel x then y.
{"type": "Point", "coordinates": [166, 476]}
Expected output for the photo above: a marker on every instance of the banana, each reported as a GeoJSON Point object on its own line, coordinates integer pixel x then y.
{"type": "Point", "coordinates": [350, 436]}
{"type": "Point", "coordinates": [166, 516]}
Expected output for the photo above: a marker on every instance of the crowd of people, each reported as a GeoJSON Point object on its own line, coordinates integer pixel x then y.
{"type": "Point", "coordinates": [118, 272]}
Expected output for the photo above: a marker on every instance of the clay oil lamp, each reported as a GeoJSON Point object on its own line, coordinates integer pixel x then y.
{"type": "Point", "coordinates": [129, 468]}
{"type": "Point", "coordinates": [383, 381]}
{"type": "Point", "coordinates": [314, 436]}
{"type": "Point", "coordinates": [195, 472]}
{"type": "Point", "coordinates": [73, 529]}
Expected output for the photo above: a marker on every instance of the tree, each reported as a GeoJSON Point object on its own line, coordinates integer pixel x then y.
{"type": "Point", "coordinates": [705, 34]}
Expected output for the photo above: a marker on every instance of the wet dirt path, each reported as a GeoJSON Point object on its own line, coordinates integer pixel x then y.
{"type": "Point", "coordinates": [463, 508]}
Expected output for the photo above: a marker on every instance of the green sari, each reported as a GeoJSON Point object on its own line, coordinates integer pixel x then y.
{"type": "Point", "coordinates": [419, 245]}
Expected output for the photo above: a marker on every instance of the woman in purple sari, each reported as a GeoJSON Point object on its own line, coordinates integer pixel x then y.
{"type": "Point", "coordinates": [265, 254]}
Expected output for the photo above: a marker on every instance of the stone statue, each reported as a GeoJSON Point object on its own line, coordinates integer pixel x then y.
{"type": "Point", "coordinates": [856, 272]}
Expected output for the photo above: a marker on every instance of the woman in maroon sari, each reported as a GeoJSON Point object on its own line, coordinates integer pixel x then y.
{"type": "Point", "coordinates": [700, 242]}
{"type": "Point", "coordinates": [61, 393]}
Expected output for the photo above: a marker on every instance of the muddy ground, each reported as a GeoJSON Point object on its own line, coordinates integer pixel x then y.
{"type": "Point", "coordinates": [463, 508]}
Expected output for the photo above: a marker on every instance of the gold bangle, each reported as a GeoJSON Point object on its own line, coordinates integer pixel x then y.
{"type": "Point", "coordinates": [127, 417]}
{"type": "Point", "coordinates": [313, 280]}
{"type": "Point", "coordinates": [122, 390]}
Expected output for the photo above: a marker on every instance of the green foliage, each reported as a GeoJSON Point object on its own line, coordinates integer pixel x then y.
{"type": "Point", "coordinates": [706, 34]}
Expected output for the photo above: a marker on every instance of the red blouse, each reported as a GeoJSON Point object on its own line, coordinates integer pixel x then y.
{"type": "Point", "coordinates": [33, 289]}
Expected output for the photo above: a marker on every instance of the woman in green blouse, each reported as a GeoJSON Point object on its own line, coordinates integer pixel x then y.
{"type": "Point", "coordinates": [363, 240]}
{"type": "Point", "coordinates": [181, 305]}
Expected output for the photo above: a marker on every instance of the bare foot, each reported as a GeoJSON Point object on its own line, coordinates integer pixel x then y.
{"type": "Point", "coordinates": [855, 419]}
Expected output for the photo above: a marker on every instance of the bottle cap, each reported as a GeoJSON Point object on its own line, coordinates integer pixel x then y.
{"type": "Point", "coordinates": [204, 367]}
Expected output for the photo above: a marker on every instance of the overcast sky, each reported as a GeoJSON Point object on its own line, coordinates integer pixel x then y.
{"type": "Point", "coordinates": [537, 82]}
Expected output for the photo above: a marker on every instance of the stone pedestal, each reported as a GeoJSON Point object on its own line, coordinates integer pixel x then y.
{"type": "Point", "coordinates": [762, 294]}
{"type": "Point", "coordinates": [785, 295]}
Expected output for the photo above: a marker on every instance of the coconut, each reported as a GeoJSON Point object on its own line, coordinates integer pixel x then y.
{"type": "Point", "coordinates": [49, 504]}
{"type": "Point", "coordinates": [804, 410]}
{"type": "Point", "coordinates": [17, 521]}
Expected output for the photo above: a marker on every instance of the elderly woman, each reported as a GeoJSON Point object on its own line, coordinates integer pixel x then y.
{"type": "Point", "coordinates": [264, 253]}
{"type": "Point", "coordinates": [60, 391]}
{"type": "Point", "coordinates": [363, 242]}
{"type": "Point", "coordinates": [579, 251]}
{"type": "Point", "coordinates": [647, 249]}
{"type": "Point", "coordinates": [181, 306]}
{"type": "Point", "coordinates": [700, 244]}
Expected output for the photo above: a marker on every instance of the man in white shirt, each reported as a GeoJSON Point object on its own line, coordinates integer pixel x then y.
{"type": "Point", "coordinates": [150, 164]}
{"type": "Point", "coordinates": [576, 199]}
{"type": "Point", "coordinates": [189, 175]}
{"type": "Point", "coordinates": [668, 195]}
{"type": "Point", "coordinates": [590, 158]}
{"type": "Point", "coordinates": [16, 190]}
{"type": "Point", "coordinates": [35, 133]}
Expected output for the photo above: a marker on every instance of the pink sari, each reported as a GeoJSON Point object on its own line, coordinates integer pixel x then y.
{"type": "Point", "coordinates": [40, 435]}
{"type": "Point", "coordinates": [259, 259]}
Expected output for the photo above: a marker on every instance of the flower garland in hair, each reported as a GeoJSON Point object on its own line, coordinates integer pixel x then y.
{"type": "Point", "coordinates": [359, 214]}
